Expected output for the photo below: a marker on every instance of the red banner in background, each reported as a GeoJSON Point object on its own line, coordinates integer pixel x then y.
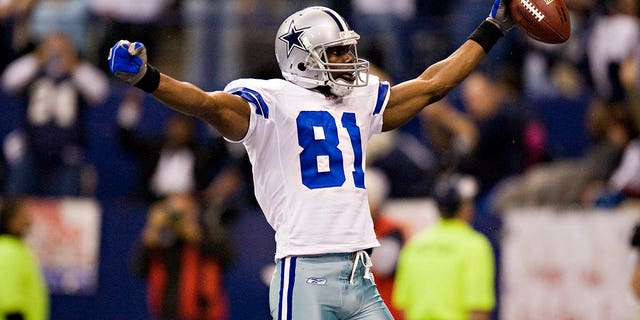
{"type": "Point", "coordinates": [65, 237]}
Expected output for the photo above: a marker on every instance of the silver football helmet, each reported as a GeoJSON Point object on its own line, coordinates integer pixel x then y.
{"type": "Point", "coordinates": [301, 50]}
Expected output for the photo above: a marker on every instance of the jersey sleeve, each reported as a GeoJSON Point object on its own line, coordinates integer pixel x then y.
{"type": "Point", "coordinates": [258, 100]}
{"type": "Point", "coordinates": [382, 93]}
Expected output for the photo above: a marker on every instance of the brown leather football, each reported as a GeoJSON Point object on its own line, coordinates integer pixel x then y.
{"type": "Point", "coordinates": [543, 20]}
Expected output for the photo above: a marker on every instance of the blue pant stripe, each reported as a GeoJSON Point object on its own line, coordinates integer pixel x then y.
{"type": "Point", "coordinates": [291, 281]}
{"type": "Point", "coordinates": [287, 280]}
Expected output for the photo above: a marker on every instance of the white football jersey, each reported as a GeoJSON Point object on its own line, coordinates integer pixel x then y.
{"type": "Point", "coordinates": [308, 157]}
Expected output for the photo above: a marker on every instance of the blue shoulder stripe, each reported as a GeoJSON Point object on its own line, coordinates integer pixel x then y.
{"type": "Point", "coordinates": [383, 91]}
{"type": "Point", "coordinates": [254, 97]}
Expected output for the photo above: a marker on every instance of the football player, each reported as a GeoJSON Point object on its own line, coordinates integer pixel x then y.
{"type": "Point", "coordinates": [306, 137]}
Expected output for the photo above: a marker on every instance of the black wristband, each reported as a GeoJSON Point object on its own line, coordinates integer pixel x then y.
{"type": "Point", "coordinates": [486, 35]}
{"type": "Point", "coordinates": [150, 81]}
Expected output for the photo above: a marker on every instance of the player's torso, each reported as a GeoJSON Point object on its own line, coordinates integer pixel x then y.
{"type": "Point", "coordinates": [308, 156]}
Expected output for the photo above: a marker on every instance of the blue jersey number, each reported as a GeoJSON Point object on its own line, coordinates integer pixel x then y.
{"type": "Point", "coordinates": [320, 160]}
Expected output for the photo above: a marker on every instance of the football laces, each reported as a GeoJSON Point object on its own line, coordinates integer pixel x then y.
{"type": "Point", "coordinates": [537, 14]}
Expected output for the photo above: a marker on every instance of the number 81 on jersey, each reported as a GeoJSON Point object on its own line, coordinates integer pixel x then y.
{"type": "Point", "coordinates": [318, 137]}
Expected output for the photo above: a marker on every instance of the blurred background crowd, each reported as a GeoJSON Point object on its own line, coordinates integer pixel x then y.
{"type": "Point", "coordinates": [535, 125]}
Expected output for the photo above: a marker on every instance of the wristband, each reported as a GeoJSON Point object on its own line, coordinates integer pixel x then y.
{"type": "Point", "coordinates": [486, 35]}
{"type": "Point", "coordinates": [150, 81]}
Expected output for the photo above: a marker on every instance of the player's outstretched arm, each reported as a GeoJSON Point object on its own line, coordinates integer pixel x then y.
{"type": "Point", "coordinates": [410, 97]}
{"type": "Point", "coordinates": [228, 113]}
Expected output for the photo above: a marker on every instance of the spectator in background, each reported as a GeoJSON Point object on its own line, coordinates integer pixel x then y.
{"type": "Point", "coordinates": [389, 234]}
{"type": "Point", "coordinates": [182, 267]}
{"type": "Point", "coordinates": [176, 161]}
{"type": "Point", "coordinates": [580, 181]}
{"type": "Point", "coordinates": [557, 83]}
{"type": "Point", "coordinates": [545, 67]}
{"type": "Point", "coordinates": [46, 155]}
{"type": "Point", "coordinates": [451, 134]}
{"type": "Point", "coordinates": [447, 271]}
{"type": "Point", "coordinates": [231, 192]}
{"type": "Point", "coordinates": [626, 178]}
{"type": "Point", "coordinates": [630, 82]}
{"type": "Point", "coordinates": [23, 292]}
{"type": "Point", "coordinates": [412, 163]}
{"type": "Point", "coordinates": [409, 165]}
{"type": "Point", "coordinates": [613, 38]}
{"type": "Point", "coordinates": [508, 135]}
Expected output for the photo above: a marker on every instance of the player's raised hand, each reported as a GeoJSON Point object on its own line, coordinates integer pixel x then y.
{"type": "Point", "coordinates": [500, 15]}
{"type": "Point", "coordinates": [128, 61]}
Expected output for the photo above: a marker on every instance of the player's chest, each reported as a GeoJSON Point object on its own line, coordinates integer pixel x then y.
{"type": "Point", "coordinates": [329, 143]}
{"type": "Point", "coordinates": [331, 123]}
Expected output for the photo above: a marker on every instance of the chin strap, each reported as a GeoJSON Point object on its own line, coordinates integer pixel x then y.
{"type": "Point", "coordinates": [339, 90]}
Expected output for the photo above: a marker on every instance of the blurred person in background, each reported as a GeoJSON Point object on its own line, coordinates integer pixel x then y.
{"type": "Point", "coordinates": [46, 155]}
{"type": "Point", "coordinates": [23, 291]}
{"type": "Point", "coordinates": [575, 181]}
{"type": "Point", "coordinates": [177, 160]}
{"type": "Point", "coordinates": [625, 181]}
{"type": "Point", "coordinates": [606, 174]}
{"type": "Point", "coordinates": [451, 134]}
{"type": "Point", "coordinates": [411, 163]}
{"type": "Point", "coordinates": [508, 137]}
{"type": "Point", "coordinates": [231, 191]}
{"type": "Point", "coordinates": [545, 67]}
{"type": "Point", "coordinates": [613, 39]}
{"type": "Point", "coordinates": [389, 234]}
{"type": "Point", "coordinates": [183, 268]}
{"type": "Point", "coordinates": [556, 83]}
{"type": "Point", "coordinates": [447, 271]}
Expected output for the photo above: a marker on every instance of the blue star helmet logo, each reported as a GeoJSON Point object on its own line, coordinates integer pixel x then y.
{"type": "Point", "coordinates": [292, 38]}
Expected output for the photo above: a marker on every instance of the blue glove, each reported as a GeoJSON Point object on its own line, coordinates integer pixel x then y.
{"type": "Point", "coordinates": [500, 15]}
{"type": "Point", "coordinates": [128, 61]}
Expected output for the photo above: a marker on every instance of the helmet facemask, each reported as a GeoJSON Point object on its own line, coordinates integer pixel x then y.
{"type": "Point", "coordinates": [332, 72]}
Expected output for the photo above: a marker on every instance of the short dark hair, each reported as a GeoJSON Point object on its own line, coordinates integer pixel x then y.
{"type": "Point", "coordinates": [451, 191]}
{"type": "Point", "coordinates": [448, 201]}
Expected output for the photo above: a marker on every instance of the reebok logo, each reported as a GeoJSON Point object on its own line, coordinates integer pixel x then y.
{"type": "Point", "coordinates": [317, 281]}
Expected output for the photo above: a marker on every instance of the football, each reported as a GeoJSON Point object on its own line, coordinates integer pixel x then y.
{"type": "Point", "coordinates": [543, 20]}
